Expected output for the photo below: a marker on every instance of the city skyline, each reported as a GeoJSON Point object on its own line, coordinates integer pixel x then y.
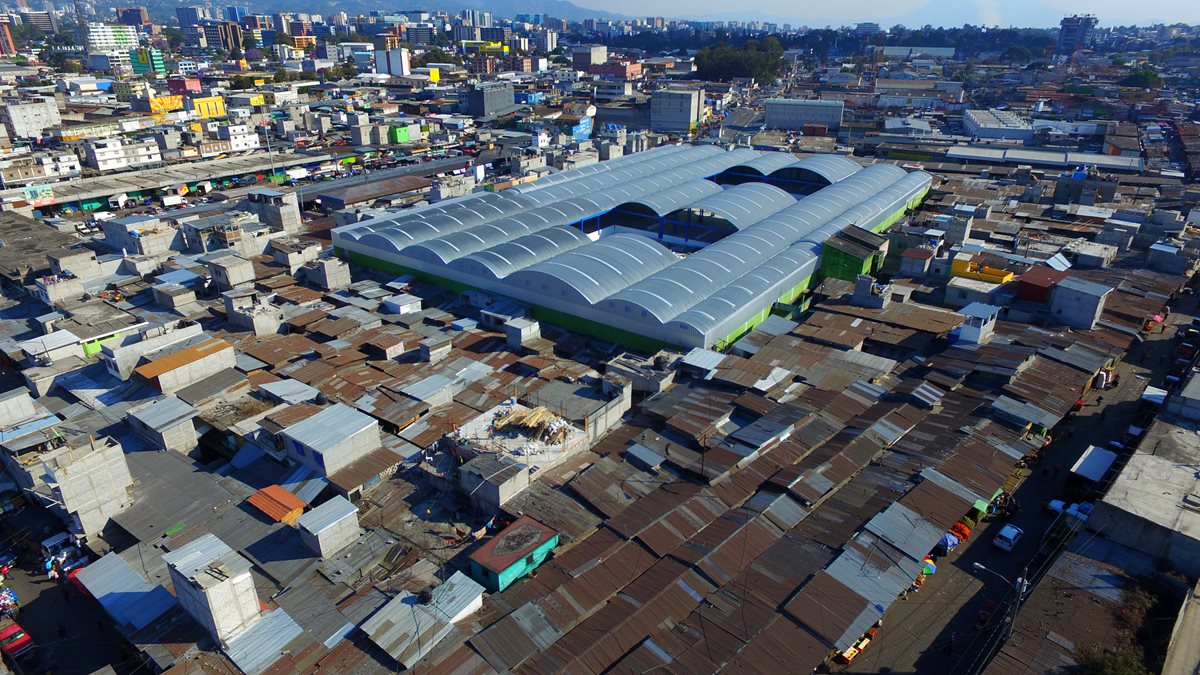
{"type": "Point", "coordinates": [1023, 13]}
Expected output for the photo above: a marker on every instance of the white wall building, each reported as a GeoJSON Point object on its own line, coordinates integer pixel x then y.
{"type": "Point", "coordinates": [29, 117]}
{"type": "Point", "coordinates": [394, 62]}
{"type": "Point", "coordinates": [1001, 124]}
{"type": "Point", "coordinates": [676, 110]}
{"type": "Point", "coordinates": [213, 584]}
{"type": "Point", "coordinates": [113, 154]}
{"type": "Point", "coordinates": [332, 439]}
{"type": "Point", "coordinates": [792, 113]}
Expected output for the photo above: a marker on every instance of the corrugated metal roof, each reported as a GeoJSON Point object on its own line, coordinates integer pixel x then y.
{"type": "Point", "coordinates": [326, 515]}
{"type": "Point", "coordinates": [181, 358]}
{"type": "Point", "coordinates": [263, 643]}
{"type": "Point", "coordinates": [127, 597]}
{"type": "Point", "coordinates": [290, 391]}
{"type": "Point", "coordinates": [276, 502]}
{"type": "Point", "coordinates": [906, 530]}
{"type": "Point", "coordinates": [48, 343]}
{"type": "Point", "coordinates": [165, 414]}
{"type": "Point", "coordinates": [196, 556]}
{"type": "Point", "coordinates": [405, 629]}
{"type": "Point", "coordinates": [745, 204]}
{"type": "Point", "coordinates": [952, 486]}
{"type": "Point", "coordinates": [329, 427]}
{"type": "Point", "coordinates": [426, 389]}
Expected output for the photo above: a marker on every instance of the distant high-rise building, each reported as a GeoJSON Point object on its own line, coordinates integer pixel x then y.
{"type": "Point", "coordinates": [132, 16]}
{"type": "Point", "coordinates": [7, 46]}
{"type": "Point", "coordinates": [420, 33]}
{"type": "Point", "coordinates": [47, 22]}
{"type": "Point", "coordinates": [546, 41]}
{"type": "Point", "coordinates": [190, 18]}
{"type": "Point", "coordinates": [584, 57]}
{"type": "Point", "coordinates": [465, 33]}
{"type": "Point", "coordinates": [1075, 32]}
{"type": "Point", "coordinates": [394, 62]}
{"type": "Point", "coordinates": [113, 41]}
{"type": "Point", "coordinates": [147, 60]}
{"type": "Point", "coordinates": [495, 33]}
{"type": "Point", "coordinates": [235, 14]}
{"type": "Point", "coordinates": [225, 35]}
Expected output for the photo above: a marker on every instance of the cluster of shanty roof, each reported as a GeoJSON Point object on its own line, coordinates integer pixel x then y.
{"type": "Point", "coordinates": [763, 529]}
{"type": "Point", "coordinates": [531, 243]}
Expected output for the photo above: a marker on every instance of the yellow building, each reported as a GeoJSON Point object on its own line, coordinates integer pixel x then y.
{"type": "Point", "coordinates": [965, 266]}
{"type": "Point", "coordinates": [207, 107]}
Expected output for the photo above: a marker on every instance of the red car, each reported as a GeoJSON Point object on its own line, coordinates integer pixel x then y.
{"type": "Point", "coordinates": [14, 641]}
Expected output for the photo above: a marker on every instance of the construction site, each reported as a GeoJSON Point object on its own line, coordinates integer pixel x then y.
{"type": "Point", "coordinates": [535, 436]}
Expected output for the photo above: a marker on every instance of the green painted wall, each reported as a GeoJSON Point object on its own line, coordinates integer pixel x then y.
{"type": "Point", "coordinates": [497, 583]}
{"type": "Point", "coordinates": [787, 298]}
{"type": "Point", "coordinates": [596, 329]}
{"type": "Point", "coordinates": [838, 264]}
{"type": "Point", "coordinates": [92, 348]}
{"type": "Point", "coordinates": [550, 316]}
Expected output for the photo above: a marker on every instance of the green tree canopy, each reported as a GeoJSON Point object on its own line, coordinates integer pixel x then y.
{"type": "Point", "coordinates": [762, 61]}
{"type": "Point", "coordinates": [1143, 78]}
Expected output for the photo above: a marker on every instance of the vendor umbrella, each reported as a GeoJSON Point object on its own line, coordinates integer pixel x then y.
{"type": "Point", "coordinates": [930, 568]}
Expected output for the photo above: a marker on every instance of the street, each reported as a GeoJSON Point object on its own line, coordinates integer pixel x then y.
{"type": "Point", "coordinates": [45, 607]}
{"type": "Point", "coordinates": [937, 630]}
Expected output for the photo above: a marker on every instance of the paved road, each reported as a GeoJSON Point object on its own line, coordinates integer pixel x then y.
{"type": "Point", "coordinates": [45, 607]}
{"type": "Point", "coordinates": [917, 633]}
{"type": "Point", "coordinates": [310, 191]}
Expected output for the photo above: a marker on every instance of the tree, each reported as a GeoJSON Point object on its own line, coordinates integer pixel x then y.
{"type": "Point", "coordinates": [352, 36]}
{"type": "Point", "coordinates": [724, 62]}
{"type": "Point", "coordinates": [435, 55]}
{"type": "Point", "coordinates": [25, 34]}
{"type": "Point", "coordinates": [235, 54]}
{"type": "Point", "coordinates": [59, 61]}
{"type": "Point", "coordinates": [1017, 54]}
{"type": "Point", "coordinates": [282, 75]}
{"type": "Point", "coordinates": [1143, 78]}
{"type": "Point", "coordinates": [248, 41]}
{"type": "Point", "coordinates": [282, 38]}
{"type": "Point", "coordinates": [342, 71]}
{"type": "Point", "coordinates": [174, 36]}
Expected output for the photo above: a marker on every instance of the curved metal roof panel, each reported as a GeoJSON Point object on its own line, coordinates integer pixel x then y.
{"type": "Point", "coordinates": [833, 168]}
{"type": "Point", "coordinates": [504, 259]}
{"type": "Point", "coordinates": [772, 277]}
{"type": "Point", "coordinates": [667, 294]}
{"type": "Point", "coordinates": [593, 272]}
{"type": "Point", "coordinates": [671, 199]}
{"type": "Point", "coordinates": [765, 163]}
{"type": "Point", "coordinates": [745, 204]}
{"type": "Point", "coordinates": [601, 167]}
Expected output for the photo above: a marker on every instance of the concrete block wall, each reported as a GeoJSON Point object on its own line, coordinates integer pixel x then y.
{"type": "Point", "coordinates": [197, 370]}
{"type": "Point", "coordinates": [224, 609]}
{"type": "Point", "coordinates": [352, 448]}
{"type": "Point", "coordinates": [95, 486]}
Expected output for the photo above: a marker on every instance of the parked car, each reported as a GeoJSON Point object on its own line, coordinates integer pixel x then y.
{"type": "Point", "coordinates": [14, 641]}
{"type": "Point", "coordinates": [1008, 537]}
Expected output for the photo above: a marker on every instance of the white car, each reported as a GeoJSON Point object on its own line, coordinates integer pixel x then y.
{"type": "Point", "coordinates": [1008, 537]}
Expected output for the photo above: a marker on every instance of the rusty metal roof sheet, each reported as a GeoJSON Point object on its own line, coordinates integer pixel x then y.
{"type": "Point", "coordinates": [511, 544]}
{"type": "Point", "coordinates": [831, 610]}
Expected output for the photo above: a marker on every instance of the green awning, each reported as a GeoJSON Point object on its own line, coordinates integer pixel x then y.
{"type": "Point", "coordinates": [981, 506]}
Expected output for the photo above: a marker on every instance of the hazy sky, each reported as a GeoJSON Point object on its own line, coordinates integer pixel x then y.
{"type": "Point", "coordinates": [916, 12]}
